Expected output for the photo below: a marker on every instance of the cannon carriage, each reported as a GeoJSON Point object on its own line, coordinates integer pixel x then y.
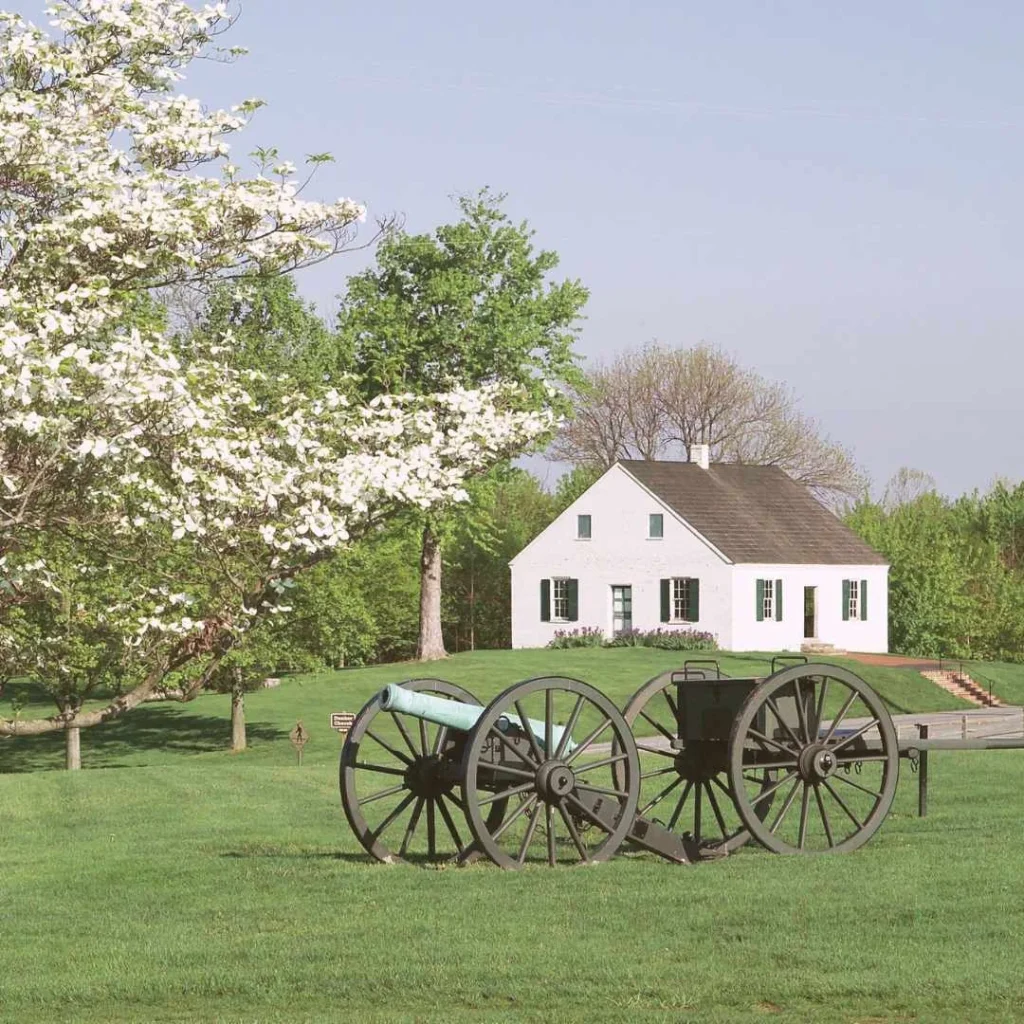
{"type": "Point", "coordinates": [804, 760]}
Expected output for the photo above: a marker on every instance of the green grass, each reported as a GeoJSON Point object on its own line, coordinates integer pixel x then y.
{"type": "Point", "coordinates": [188, 884]}
{"type": "Point", "coordinates": [1006, 679]}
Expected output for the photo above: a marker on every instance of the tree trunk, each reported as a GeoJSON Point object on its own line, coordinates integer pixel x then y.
{"type": "Point", "coordinates": [472, 600]}
{"type": "Point", "coordinates": [431, 642]}
{"type": "Point", "coordinates": [72, 748]}
{"type": "Point", "coordinates": [237, 717]}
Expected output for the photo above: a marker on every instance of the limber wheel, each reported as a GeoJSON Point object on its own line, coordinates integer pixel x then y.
{"type": "Point", "coordinates": [398, 778]}
{"type": "Point", "coordinates": [830, 739]}
{"type": "Point", "coordinates": [570, 781]}
{"type": "Point", "coordinates": [685, 788]}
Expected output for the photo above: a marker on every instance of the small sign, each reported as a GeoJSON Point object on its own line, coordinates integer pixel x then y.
{"type": "Point", "coordinates": [299, 737]}
{"type": "Point", "coordinates": [341, 721]}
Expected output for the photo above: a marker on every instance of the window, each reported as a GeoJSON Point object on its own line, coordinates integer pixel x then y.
{"type": "Point", "coordinates": [560, 598]}
{"type": "Point", "coordinates": [680, 599]}
{"type": "Point", "coordinates": [583, 527]}
{"type": "Point", "coordinates": [656, 525]}
{"type": "Point", "coordinates": [768, 600]}
{"type": "Point", "coordinates": [855, 599]}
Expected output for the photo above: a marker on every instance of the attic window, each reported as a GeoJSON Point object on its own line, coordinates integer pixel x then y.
{"type": "Point", "coordinates": [583, 527]}
{"type": "Point", "coordinates": [656, 526]}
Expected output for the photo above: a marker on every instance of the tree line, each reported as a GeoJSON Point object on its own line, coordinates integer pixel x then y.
{"type": "Point", "coordinates": [956, 586]}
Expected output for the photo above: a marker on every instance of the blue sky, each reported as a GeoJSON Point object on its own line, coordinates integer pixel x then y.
{"type": "Point", "coordinates": [829, 191]}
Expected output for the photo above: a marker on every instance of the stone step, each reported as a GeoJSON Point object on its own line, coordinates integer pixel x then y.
{"type": "Point", "coordinates": [963, 686]}
{"type": "Point", "coordinates": [819, 647]}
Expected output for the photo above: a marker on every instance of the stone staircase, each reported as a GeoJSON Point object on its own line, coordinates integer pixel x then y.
{"type": "Point", "coordinates": [962, 685]}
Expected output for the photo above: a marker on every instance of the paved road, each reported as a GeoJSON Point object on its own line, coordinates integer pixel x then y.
{"type": "Point", "coordinates": [942, 725]}
{"type": "Point", "coordinates": [1005, 723]}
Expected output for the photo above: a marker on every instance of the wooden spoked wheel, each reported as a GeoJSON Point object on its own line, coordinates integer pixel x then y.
{"type": "Point", "coordinates": [570, 781]}
{"type": "Point", "coordinates": [830, 741]}
{"type": "Point", "coordinates": [398, 782]}
{"type": "Point", "coordinates": [685, 788]}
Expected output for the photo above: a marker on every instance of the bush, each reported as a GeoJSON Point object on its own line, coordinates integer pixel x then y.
{"type": "Point", "coordinates": [585, 637]}
{"type": "Point", "coordinates": [666, 639]}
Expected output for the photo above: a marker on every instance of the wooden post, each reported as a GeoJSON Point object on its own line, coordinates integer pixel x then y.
{"type": "Point", "coordinates": [922, 775]}
{"type": "Point", "coordinates": [299, 737]}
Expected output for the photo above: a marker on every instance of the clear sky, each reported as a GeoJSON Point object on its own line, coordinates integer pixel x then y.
{"type": "Point", "coordinates": [830, 191]}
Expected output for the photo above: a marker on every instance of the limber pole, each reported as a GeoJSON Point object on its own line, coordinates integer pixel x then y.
{"type": "Point", "coordinates": [922, 775]}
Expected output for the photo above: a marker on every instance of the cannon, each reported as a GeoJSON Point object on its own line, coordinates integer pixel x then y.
{"type": "Point", "coordinates": [804, 760]}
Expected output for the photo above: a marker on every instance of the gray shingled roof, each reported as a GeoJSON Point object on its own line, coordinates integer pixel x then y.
{"type": "Point", "coordinates": [754, 513]}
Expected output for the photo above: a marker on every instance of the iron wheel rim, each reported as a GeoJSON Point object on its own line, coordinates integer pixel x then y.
{"type": "Point", "coordinates": [418, 741]}
{"type": "Point", "coordinates": [559, 813]}
{"type": "Point", "coordinates": [815, 758]}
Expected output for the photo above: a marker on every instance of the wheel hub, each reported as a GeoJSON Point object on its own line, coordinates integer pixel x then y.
{"type": "Point", "coordinates": [701, 761]}
{"type": "Point", "coordinates": [817, 762]}
{"type": "Point", "coordinates": [555, 779]}
{"type": "Point", "coordinates": [425, 778]}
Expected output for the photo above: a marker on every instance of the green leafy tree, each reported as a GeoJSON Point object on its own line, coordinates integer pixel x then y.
{"type": "Point", "coordinates": [956, 587]}
{"type": "Point", "coordinates": [508, 508]}
{"type": "Point", "coordinates": [572, 484]}
{"type": "Point", "coordinates": [273, 331]}
{"type": "Point", "coordinates": [469, 304]}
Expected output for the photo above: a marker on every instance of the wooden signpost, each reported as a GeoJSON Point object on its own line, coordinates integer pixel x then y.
{"type": "Point", "coordinates": [341, 721]}
{"type": "Point", "coordinates": [299, 737]}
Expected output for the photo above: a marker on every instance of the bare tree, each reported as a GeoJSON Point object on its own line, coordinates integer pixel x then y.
{"type": "Point", "coordinates": [656, 402]}
{"type": "Point", "coordinates": [905, 486]}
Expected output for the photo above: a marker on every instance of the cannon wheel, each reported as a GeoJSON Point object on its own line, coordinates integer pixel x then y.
{"type": "Point", "coordinates": [566, 802]}
{"type": "Point", "coordinates": [393, 757]}
{"type": "Point", "coordinates": [702, 802]}
{"type": "Point", "coordinates": [831, 740]}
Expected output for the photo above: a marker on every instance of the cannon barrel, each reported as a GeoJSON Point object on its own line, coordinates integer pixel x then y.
{"type": "Point", "coordinates": [456, 715]}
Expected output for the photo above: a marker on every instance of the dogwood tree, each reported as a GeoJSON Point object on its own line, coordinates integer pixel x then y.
{"type": "Point", "coordinates": [150, 506]}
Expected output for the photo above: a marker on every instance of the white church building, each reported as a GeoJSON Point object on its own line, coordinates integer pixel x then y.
{"type": "Point", "coordinates": [742, 552]}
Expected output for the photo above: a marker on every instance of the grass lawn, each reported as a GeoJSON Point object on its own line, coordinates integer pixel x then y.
{"type": "Point", "coordinates": [183, 883]}
{"type": "Point", "coordinates": [1004, 678]}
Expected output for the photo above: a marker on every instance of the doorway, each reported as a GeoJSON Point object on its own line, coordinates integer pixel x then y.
{"type": "Point", "coordinates": [622, 609]}
{"type": "Point", "coordinates": [810, 613]}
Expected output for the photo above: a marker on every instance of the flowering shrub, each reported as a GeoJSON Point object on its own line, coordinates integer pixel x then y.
{"type": "Point", "coordinates": [666, 639]}
{"type": "Point", "coordinates": [584, 637]}
{"type": "Point", "coordinates": [151, 509]}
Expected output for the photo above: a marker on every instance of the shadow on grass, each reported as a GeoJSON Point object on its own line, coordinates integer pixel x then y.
{"type": "Point", "coordinates": [149, 731]}
{"type": "Point", "coordinates": [297, 853]}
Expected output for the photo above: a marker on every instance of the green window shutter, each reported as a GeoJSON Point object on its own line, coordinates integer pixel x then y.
{"type": "Point", "coordinates": [545, 600]}
{"type": "Point", "coordinates": [695, 600]}
{"type": "Point", "coordinates": [760, 600]}
{"type": "Point", "coordinates": [863, 599]}
{"type": "Point", "coordinates": [778, 600]}
{"type": "Point", "coordinates": [846, 600]}
{"type": "Point", "coordinates": [574, 600]}
{"type": "Point", "coordinates": [666, 600]}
